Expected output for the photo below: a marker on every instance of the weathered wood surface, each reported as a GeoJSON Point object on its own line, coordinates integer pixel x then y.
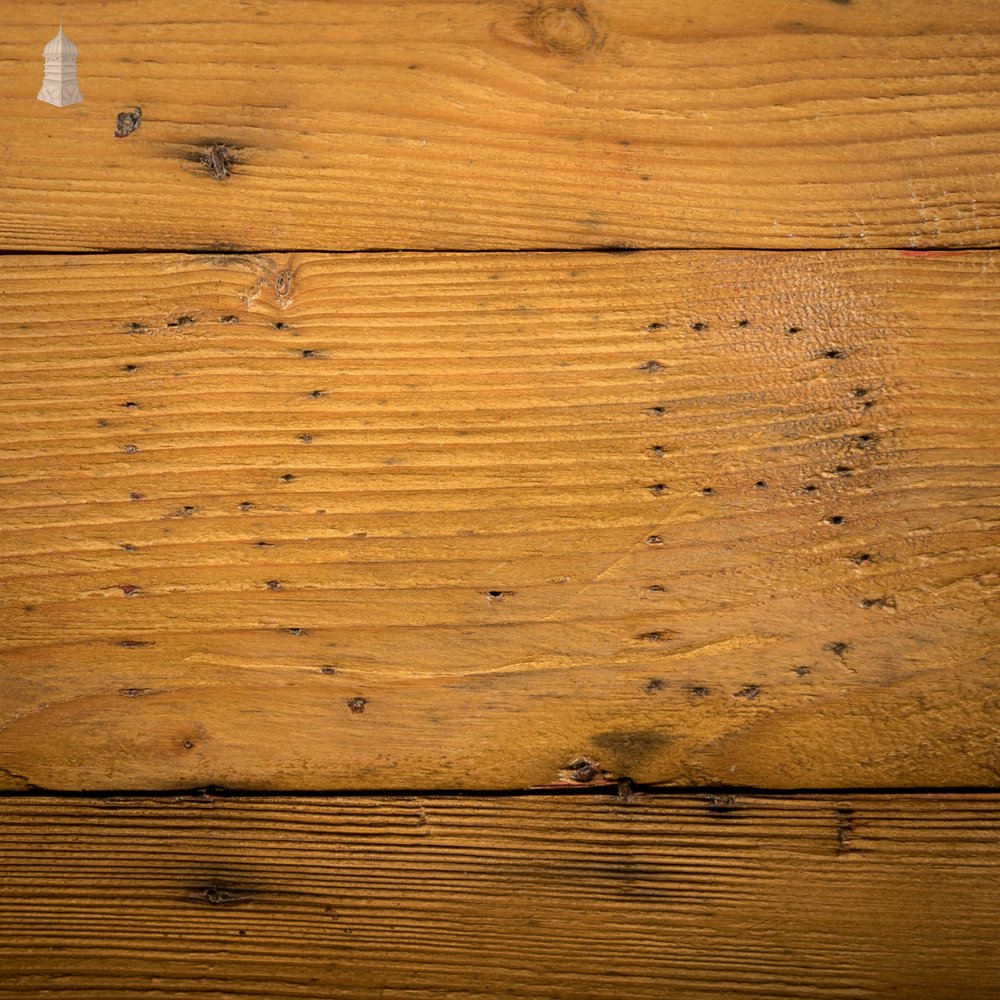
{"type": "Point", "coordinates": [478, 125]}
{"type": "Point", "coordinates": [474, 521]}
{"type": "Point", "coordinates": [689, 897]}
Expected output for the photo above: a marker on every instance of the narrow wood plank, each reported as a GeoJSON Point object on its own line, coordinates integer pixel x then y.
{"type": "Point", "coordinates": [495, 521]}
{"type": "Point", "coordinates": [839, 898]}
{"type": "Point", "coordinates": [486, 124]}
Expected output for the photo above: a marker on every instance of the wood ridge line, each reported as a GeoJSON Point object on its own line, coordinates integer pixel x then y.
{"type": "Point", "coordinates": [623, 788]}
{"type": "Point", "coordinates": [484, 251]}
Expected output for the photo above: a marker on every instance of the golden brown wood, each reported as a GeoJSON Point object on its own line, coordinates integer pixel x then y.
{"type": "Point", "coordinates": [693, 897]}
{"type": "Point", "coordinates": [493, 521]}
{"type": "Point", "coordinates": [345, 125]}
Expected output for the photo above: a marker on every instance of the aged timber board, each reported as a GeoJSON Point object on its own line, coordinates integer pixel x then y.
{"type": "Point", "coordinates": [308, 521]}
{"type": "Point", "coordinates": [688, 897]}
{"type": "Point", "coordinates": [503, 124]}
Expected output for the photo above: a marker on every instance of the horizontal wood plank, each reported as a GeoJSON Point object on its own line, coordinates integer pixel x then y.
{"type": "Point", "coordinates": [698, 896]}
{"type": "Point", "coordinates": [495, 521]}
{"type": "Point", "coordinates": [496, 124]}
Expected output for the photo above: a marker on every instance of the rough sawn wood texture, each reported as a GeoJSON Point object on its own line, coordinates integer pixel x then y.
{"type": "Point", "coordinates": [694, 897]}
{"type": "Point", "coordinates": [499, 124]}
{"type": "Point", "coordinates": [493, 521]}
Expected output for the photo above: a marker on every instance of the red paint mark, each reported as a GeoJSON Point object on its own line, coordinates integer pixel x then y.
{"type": "Point", "coordinates": [931, 253]}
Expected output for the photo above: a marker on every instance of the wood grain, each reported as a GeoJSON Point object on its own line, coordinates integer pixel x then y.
{"type": "Point", "coordinates": [699, 896]}
{"type": "Point", "coordinates": [496, 124]}
{"type": "Point", "coordinates": [493, 521]}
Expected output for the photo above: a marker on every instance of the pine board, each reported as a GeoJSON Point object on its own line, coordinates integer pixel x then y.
{"type": "Point", "coordinates": [488, 124]}
{"type": "Point", "coordinates": [692, 897]}
{"type": "Point", "coordinates": [494, 521]}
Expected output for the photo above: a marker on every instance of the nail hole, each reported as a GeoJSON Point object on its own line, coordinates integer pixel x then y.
{"type": "Point", "coordinates": [181, 321]}
{"type": "Point", "coordinates": [218, 161]}
{"type": "Point", "coordinates": [287, 477]}
{"type": "Point", "coordinates": [835, 519]}
{"type": "Point", "coordinates": [229, 319]}
{"type": "Point", "coordinates": [657, 451]}
{"type": "Point", "coordinates": [837, 648]}
{"type": "Point", "coordinates": [582, 769]}
{"type": "Point", "coordinates": [861, 558]}
{"type": "Point", "coordinates": [499, 595]}
{"type": "Point", "coordinates": [657, 488]}
{"type": "Point", "coordinates": [699, 326]}
{"type": "Point", "coordinates": [318, 393]}
{"type": "Point", "coordinates": [357, 705]}
{"type": "Point", "coordinates": [127, 122]}
{"type": "Point", "coordinates": [834, 354]}
{"type": "Point", "coordinates": [305, 438]}
{"type": "Point", "coordinates": [327, 669]}
{"type": "Point", "coordinates": [794, 329]}
{"type": "Point", "coordinates": [130, 368]}
{"type": "Point", "coordinates": [653, 685]}
{"type": "Point", "coordinates": [708, 491]}
{"type": "Point", "coordinates": [188, 744]}
{"type": "Point", "coordinates": [701, 692]}
{"type": "Point", "coordinates": [654, 540]}
{"type": "Point", "coordinates": [879, 602]}
{"type": "Point", "coordinates": [651, 366]}
{"type": "Point", "coordinates": [273, 585]}
{"type": "Point", "coordinates": [743, 323]}
{"type": "Point", "coordinates": [760, 485]}
{"type": "Point", "coordinates": [749, 692]}
{"type": "Point", "coordinates": [656, 411]}
{"type": "Point", "coordinates": [245, 505]}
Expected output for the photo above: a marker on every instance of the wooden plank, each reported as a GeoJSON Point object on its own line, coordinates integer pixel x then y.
{"type": "Point", "coordinates": [494, 521]}
{"type": "Point", "coordinates": [495, 124]}
{"type": "Point", "coordinates": [690, 897]}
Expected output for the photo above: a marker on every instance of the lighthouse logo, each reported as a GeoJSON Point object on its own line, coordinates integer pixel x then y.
{"type": "Point", "coordinates": [59, 86]}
